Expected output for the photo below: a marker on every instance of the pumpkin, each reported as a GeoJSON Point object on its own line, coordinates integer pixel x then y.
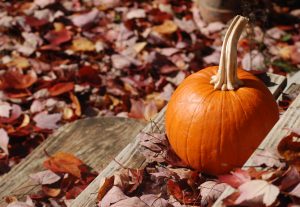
{"type": "Point", "coordinates": [218, 116]}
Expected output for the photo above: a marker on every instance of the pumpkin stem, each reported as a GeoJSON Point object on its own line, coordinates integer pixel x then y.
{"type": "Point", "coordinates": [226, 78]}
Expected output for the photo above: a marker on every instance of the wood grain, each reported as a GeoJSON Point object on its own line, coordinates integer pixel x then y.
{"type": "Point", "coordinates": [96, 141]}
{"type": "Point", "coordinates": [130, 156]}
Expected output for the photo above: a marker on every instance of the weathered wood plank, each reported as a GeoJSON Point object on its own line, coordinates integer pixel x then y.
{"type": "Point", "coordinates": [290, 119]}
{"type": "Point", "coordinates": [95, 140]}
{"type": "Point", "coordinates": [130, 156]}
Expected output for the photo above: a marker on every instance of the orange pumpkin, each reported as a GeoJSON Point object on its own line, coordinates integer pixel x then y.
{"type": "Point", "coordinates": [218, 116]}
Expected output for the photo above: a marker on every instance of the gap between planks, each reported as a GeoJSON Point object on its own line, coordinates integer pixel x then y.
{"type": "Point", "coordinates": [132, 158]}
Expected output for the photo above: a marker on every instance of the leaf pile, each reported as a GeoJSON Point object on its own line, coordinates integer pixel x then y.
{"type": "Point", "coordinates": [64, 60]}
{"type": "Point", "coordinates": [166, 181]}
{"type": "Point", "coordinates": [63, 180]}
{"type": "Point", "coordinates": [278, 181]}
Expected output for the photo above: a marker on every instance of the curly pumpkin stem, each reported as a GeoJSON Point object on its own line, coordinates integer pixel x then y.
{"type": "Point", "coordinates": [226, 78]}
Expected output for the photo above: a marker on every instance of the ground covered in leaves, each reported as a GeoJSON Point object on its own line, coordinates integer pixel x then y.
{"type": "Point", "coordinates": [274, 180]}
{"type": "Point", "coordinates": [65, 60]}
{"type": "Point", "coordinates": [63, 179]}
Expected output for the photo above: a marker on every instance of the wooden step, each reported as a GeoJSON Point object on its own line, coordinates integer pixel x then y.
{"type": "Point", "coordinates": [96, 141]}
{"type": "Point", "coordinates": [131, 157]}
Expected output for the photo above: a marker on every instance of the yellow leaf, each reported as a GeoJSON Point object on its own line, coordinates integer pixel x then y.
{"type": "Point", "coordinates": [67, 113]}
{"type": "Point", "coordinates": [139, 46]}
{"type": "Point", "coordinates": [19, 62]}
{"type": "Point", "coordinates": [82, 44]}
{"type": "Point", "coordinates": [168, 27]}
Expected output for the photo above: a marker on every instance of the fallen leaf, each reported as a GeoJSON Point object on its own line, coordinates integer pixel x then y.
{"type": "Point", "coordinates": [290, 178]}
{"type": "Point", "coordinates": [62, 162]}
{"type": "Point", "coordinates": [45, 177]}
{"type": "Point", "coordinates": [120, 61]}
{"type": "Point", "coordinates": [237, 178]}
{"type": "Point", "coordinates": [51, 192]}
{"type": "Point", "coordinates": [81, 20]}
{"type": "Point", "coordinates": [168, 27]}
{"type": "Point", "coordinates": [16, 80]}
{"type": "Point", "coordinates": [82, 44]}
{"type": "Point", "coordinates": [254, 61]}
{"type": "Point", "coordinates": [114, 195]}
{"type": "Point", "coordinates": [130, 202]}
{"type": "Point", "coordinates": [58, 37]}
{"type": "Point", "coordinates": [136, 13]}
{"type": "Point", "coordinates": [186, 25]}
{"type": "Point", "coordinates": [129, 179]}
{"type": "Point", "coordinates": [31, 43]}
{"type": "Point", "coordinates": [4, 140]}
{"type": "Point", "coordinates": [105, 187]}
{"type": "Point", "coordinates": [296, 191]}
{"type": "Point", "coordinates": [267, 157]}
{"type": "Point", "coordinates": [182, 195]}
{"type": "Point", "coordinates": [75, 104]}
{"type": "Point", "coordinates": [210, 191]}
{"type": "Point", "coordinates": [61, 88]}
{"type": "Point", "coordinates": [289, 148]}
{"type": "Point", "coordinates": [89, 75]}
{"type": "Point", "coordinates": [19, 62]}
{"type": "Point", "coordinates": [258, 188]}
{"type": "Point", "coordinates": [167, 92]}
{"type": "Point", "coordinates": [74, 192]}
{"type": "Point", "coordinates": [44, 120]}
{"type": "Point", "coordinates": [107, 4]}
{"type": "Point", "coordinates": [5, 109]}
{"type": "Point", "coordinates": [19, 204]}
{"type": "Point", "coordinates": [150, 111]}
{"type": "Point", "coordinates": [43, 3]}
{"type": "Point", "coordinates": [37, 106]}
{"type": "Point", "coordinates": [137, 109]}
{"type": "Point", "coordinates": [154, 200]}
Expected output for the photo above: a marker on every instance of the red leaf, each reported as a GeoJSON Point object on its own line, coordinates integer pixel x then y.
{"type": "Point", "coordinates": [182, 195]}
{"type": "Point", "coordinates": [129, 179]}
{"type": "Point", "coordinates": [61, 88]}
{"type": "Point", "coordinates": [58, 37]}
{"type": "Point", "coordinates": [289, 148]}
{"type": "Point", "coordinates": [34, 22]}
{"type": "Point", "coordinates": [74, 192]}
{"type": "Point", "coordinates": [16, 80]}
{"type": "Point", "coordinates": [89, 75]}
{"type": "Point", "coordinates": [62, 162]}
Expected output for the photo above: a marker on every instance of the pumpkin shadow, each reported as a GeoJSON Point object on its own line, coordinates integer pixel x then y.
{"type": "Point", "coordinates": [265, 79]}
